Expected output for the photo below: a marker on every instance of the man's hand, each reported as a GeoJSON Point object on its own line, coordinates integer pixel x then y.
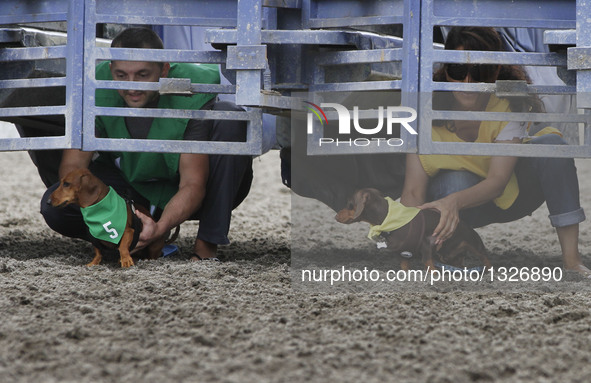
{"type": "Point", "coordinates": [150, 231]}
{"type": "Point", "coordinates": [193, 170]}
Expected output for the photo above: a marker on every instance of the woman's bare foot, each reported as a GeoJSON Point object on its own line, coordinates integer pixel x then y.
{"type": "Point", "coordinates": [568, 236]}
{"type": "Point", "coordinates": [204, 250]}
{"type": "Point", "coordinates": [580, 269]}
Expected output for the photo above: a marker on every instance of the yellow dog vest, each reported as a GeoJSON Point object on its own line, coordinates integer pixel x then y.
{"type": "Point", "coordinates": [398, 216]}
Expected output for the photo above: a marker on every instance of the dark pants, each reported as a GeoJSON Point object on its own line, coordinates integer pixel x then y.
{"type": "Point", "coordinates": [540, 179]}
{"type": "Point", "coordinates": [229, 182]}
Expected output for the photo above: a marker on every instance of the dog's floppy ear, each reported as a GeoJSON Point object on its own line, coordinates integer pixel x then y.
{"type": "Point", "coordinates": [360, 199]}
{"type": "Point", "coordinates": [88, 190]}
{"type": "Point", "coordinates": [355, 206]}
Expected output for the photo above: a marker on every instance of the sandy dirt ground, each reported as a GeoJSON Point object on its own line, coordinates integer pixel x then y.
{"type": "Point", "coordinates": [243, 321]}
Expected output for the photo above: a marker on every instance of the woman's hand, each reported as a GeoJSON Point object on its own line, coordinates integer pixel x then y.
{"type": "Point", "coordinates": [450, 217]}
{"type": "Point", "coordinates": [487, 190]}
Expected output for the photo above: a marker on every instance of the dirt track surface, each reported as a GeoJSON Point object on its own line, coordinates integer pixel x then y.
{"type": "Point", "coordinates": [241, 321]}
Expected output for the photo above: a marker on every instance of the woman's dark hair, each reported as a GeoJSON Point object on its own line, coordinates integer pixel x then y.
{"type": "Point", "coordinates": [488, 39]}
{"type": "Point", "coordinates": [475, 39]}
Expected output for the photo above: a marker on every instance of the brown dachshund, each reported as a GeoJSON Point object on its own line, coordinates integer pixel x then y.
{"type": "Point", "coordinates": [369, 205]}
{"type": "Point", "coordinates": [80, 187]}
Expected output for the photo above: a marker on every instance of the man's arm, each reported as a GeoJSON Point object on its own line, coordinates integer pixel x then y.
{"type": "Point", "coordinates": [73, 159]}
{"type": "Point", "coordinates": [194, 171]}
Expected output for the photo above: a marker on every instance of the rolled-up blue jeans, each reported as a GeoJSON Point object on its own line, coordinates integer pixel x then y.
{"type": "Point", "coordinates": [540, 179]}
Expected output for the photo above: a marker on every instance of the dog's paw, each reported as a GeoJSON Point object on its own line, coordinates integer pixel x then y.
{"type": "Point", "coordinates": [127, 262]}
{"type": "Point", "coordinates": [95, 262]}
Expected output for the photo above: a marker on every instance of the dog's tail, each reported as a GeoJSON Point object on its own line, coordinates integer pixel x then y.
{"type": "Point", "coordinates": [174, 236]}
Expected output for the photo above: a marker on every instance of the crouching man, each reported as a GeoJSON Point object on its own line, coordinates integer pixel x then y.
{"type": "Point", "coordinates": [175, 187]}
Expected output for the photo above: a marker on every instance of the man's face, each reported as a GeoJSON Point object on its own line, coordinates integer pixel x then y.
{"type": "Point", "coordinates": [138, 71]}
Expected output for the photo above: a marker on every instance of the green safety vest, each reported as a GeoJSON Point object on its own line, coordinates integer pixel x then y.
{"type": "Point", "coordinates": [154, 175]}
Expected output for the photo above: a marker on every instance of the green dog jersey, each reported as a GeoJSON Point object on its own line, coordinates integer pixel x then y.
{"type": "Point", "coordinates": [107, 219]}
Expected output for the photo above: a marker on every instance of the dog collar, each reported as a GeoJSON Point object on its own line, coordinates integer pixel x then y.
{"type": "Point", "coordinates": [398, 216]}
{"type": "Point", "coordinates": [106, 220]}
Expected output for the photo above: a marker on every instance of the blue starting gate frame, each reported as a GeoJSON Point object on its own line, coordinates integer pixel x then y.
{"type": "Point", "coordinates": [549, 14]}
{"type": "Point", "coordinates": [342, 14]}
{"type": "Point", "coordinates": [13, 12]}
{"type": "Point", "coordinates": [579, 57]}
{"type": "Point", "coordinates": [286, 48]}
{"type": "Point", "coordinates": [173, 12]}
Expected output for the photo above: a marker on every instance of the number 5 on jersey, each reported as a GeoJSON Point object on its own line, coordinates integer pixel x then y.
{"type": "Point", "coordinates": [111, 230]}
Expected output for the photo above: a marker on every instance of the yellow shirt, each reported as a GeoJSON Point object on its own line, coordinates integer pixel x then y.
{"type": "Point", "coordinates": [479, 165]}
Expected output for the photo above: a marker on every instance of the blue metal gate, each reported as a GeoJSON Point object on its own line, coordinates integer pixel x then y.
{"type": "Point", "coordinates": [551, 15]}
{"type": "Point", "coordinates": [14, 59]}
{"type": "Point", "coordinates": [277, 47]}
{"type": "Point", "coordinates": [218, 13]}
